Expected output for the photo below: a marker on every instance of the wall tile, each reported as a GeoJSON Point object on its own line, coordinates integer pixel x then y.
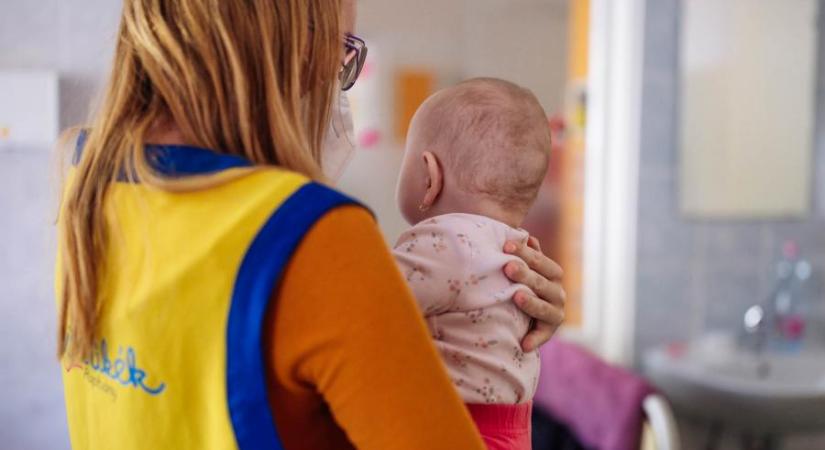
{"type": "Point", "coordinates": [730, 291]}
{"type": "Point", "coordinates": [736, 241]}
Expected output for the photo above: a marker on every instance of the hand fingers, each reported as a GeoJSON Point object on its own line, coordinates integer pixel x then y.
{"type": "Point", "coordinates": [548, 319]}
{"type": "Point", "coordinates": [538, 336]}
{"type": "Point", "coordinates": [536, 260]}
{"type": "Point", "coordinates": [517, 271]}
{"type": "Point", "coordinates": [545, 301]}
{"type": "Point", "coordinates": [534, 243]}
{"type": "Point", "coordinates": [550, 291]}
{"type": "Point", "coordinates": [539, 309]}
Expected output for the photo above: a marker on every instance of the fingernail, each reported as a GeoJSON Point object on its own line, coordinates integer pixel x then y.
{"type": "Point", "coordinates": [510, 269]}
{"type": "Point", "coordinates": [510, 247]}
{"type": "Point", "coordinates": [527, 346]}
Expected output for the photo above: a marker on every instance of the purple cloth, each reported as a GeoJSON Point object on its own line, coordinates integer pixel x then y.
{"type": "Point", "coordinates": [600, 403]}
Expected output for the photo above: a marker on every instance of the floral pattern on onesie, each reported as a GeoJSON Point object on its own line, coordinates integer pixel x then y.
{"type": "Point", "coordinates": [453, 263]}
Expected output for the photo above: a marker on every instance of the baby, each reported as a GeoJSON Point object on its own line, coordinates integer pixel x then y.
{"type": "Point", "coordinates": [475, 158]}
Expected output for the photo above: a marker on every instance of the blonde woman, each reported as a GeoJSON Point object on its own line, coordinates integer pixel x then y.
{"type": "Point", "coordinates": [213, 293]}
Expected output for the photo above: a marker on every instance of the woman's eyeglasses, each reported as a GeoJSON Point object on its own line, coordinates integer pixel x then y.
{"type": "Point", "coordinates": [353, 64]}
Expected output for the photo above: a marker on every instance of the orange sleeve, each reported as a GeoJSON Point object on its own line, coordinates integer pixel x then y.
{"type": "Point", "coordinates": [348, 346]}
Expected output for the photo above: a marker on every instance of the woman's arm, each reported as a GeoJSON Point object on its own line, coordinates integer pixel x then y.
{"type": "Point", "coordinates": [345, 325]}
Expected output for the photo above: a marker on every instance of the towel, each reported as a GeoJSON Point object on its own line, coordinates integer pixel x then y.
{"type": "Point", "coordinates": [600, 403]}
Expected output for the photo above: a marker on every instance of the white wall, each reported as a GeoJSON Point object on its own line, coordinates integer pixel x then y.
{"type": "Point", "coordinates": [524, 41]}
{"type": "Point", "coordinates": [521, 40]}
{"type": "Point", "coordinates": [73, 38]}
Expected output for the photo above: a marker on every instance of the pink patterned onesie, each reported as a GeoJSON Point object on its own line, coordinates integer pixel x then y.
{"type": "Point", "coordinates": [454, 265]}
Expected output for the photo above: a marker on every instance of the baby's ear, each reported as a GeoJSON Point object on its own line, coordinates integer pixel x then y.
{"type": "Point", "coordinates": [435, 178]}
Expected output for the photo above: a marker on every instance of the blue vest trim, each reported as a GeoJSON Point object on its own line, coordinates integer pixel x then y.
{"type": "Point", "coordinates": [176, 160]}
{"type": "Point", "coordinates": [259, 274]}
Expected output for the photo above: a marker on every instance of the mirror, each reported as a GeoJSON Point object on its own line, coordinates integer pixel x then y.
{"type": "Point", "coordinates": [748, 89]}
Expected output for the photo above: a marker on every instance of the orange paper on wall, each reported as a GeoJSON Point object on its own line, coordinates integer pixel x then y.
{"type": "Point", "coordinates": [412, 87]}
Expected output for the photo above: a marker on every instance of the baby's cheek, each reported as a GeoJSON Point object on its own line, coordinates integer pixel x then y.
{"type": "Point", "coordinates": [406, 198]}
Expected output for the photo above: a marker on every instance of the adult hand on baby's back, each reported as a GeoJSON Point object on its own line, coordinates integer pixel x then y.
{"type": "Point", "coordinates": [545, 300]}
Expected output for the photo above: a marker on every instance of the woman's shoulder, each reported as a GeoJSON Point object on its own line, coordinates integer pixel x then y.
{"type": "Point", "coordinates": [316, 198]}
{"type": "Point", "coordinates": [305, 187]}
{"type": "Point", "coordinates": [299, 194]}
{"type": "Point", "coordinates": [324, 211]}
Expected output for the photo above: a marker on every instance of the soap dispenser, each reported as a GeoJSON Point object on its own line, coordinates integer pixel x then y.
{"type": "Point", "coordinates": [789, 302]}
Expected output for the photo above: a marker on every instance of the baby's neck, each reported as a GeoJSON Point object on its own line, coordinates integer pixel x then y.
{"type": "Point", "coordinates": [466, 204]}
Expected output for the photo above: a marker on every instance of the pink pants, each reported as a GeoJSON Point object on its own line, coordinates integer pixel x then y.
{"type": "Point", "coordinates": [504, 427]}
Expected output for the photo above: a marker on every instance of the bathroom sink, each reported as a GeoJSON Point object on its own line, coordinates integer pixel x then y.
{"type": "Point", "coordinates": [775, 393]}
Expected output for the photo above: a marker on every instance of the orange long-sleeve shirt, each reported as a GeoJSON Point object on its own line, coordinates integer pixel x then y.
{"type": "Point", "coordinates": [351, 363]}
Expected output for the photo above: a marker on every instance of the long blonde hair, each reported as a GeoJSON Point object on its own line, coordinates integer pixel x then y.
{"type": "Point", "coordinates": [253, 78]}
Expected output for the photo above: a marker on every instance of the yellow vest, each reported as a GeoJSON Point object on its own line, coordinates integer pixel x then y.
{"type": "Point", "coordinates": [189, 277]}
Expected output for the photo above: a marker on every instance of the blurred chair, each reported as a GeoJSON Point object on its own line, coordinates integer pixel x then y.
{"type": "Point", "coordinates": [586, 403]}
{"type": "Point", "coordinates": [659, 430]}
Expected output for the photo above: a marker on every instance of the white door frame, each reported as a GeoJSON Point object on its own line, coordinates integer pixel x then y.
{"type": "Point", "coordinates": [614, 90]}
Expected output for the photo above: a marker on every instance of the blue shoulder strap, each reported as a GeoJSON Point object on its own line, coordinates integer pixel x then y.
{"type": "Point", "coordinates": [257, 278]}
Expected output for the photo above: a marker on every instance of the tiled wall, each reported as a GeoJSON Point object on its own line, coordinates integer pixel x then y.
{"type": "Point", "coordinates": [75, 39]}
{"type": "Point", "coordinates": [697, 275]}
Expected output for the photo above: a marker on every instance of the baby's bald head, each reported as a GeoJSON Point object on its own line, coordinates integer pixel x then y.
{"type": "Point", "coordinates": [491, 138]}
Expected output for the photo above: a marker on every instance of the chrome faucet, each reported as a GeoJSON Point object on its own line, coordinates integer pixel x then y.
{"type": "Point", "coordinates": [768, 319]}
{"type": "Point", "coordinates": [756, 325]}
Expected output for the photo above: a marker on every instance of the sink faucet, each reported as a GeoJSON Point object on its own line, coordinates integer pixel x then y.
{"type": "Point", "coordinates": [756, 325]}
{"type": "Point", "coordinates": [778, 315]}
{"type": "Point", "coordinates": [760, 320]}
